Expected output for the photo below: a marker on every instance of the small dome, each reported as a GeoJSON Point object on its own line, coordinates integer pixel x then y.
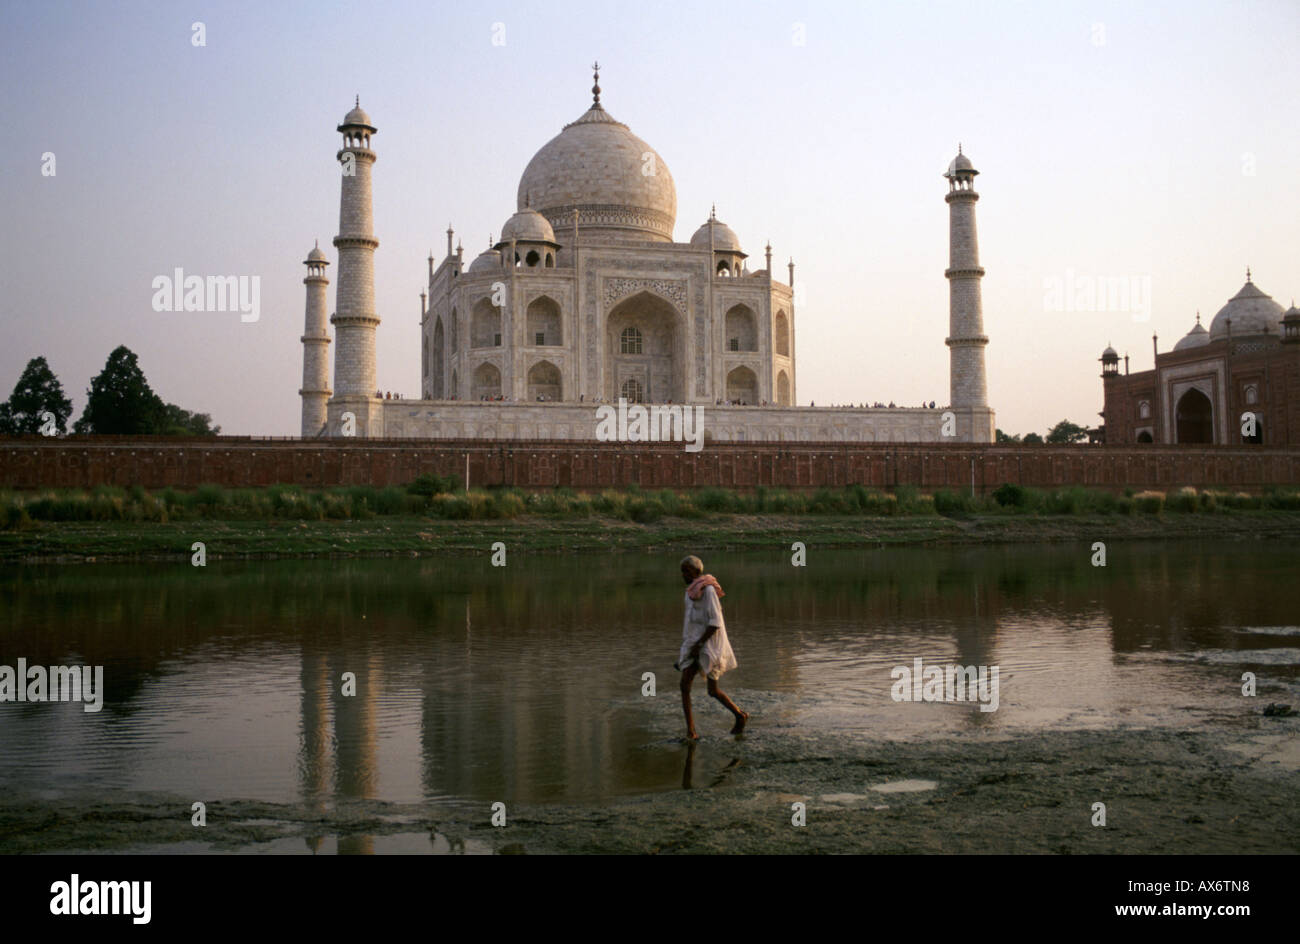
{"type": "Point", "coordinates": [527, 226]}
{"type": "Point", "coordinates": [1197, 337]}
{"type": "Point", "coordinates": [357, 118]}
{"type": "Point", "coordinates": [1292, 313]}
{"type": "Point", "coordinates": [724, 238]}
{"type": "Point", "coordinates": [317, 256]}
{"type": "Point", "coordinates": [489, 260]}
{"type": "Point", "coordinates": [1251, 312]}
{"type": "Point", "coordinates": [1109, 354]}
{"type": "Point", "coordinates": [960, 163]}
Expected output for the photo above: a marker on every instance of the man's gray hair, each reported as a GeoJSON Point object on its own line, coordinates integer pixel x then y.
{"type": "Point", "coordinates": [694, 563]}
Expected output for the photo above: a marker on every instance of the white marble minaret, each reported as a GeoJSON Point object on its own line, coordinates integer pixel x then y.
{"type": "Point", "coordinates": [315, 390]}
{"type": "Point", "coordinates": [966, 340]}
{"type": "Point", "coordinates": [355, 318]}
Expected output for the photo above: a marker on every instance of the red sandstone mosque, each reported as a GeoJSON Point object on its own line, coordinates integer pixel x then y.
{"type": "Point", "coordinates": [1238, 382]}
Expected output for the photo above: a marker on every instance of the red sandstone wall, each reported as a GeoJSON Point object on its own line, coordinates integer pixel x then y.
{"type": "Point", "coordinates": [84, 461]}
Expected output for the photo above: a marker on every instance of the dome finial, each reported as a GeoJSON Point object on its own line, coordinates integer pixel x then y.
{"type": "Point", "coordinates": [595, 86]}
{"type": "Point", "coordinates": [713, 212]}
{"type": "Point", "coordinates": [1247, 273]}
{"type": "Point", "coordinates": [958, 147]}
{"type": "Point", "coordinates": [357, 103]}
{"type": "Point", "coordinates": [1198, 316]}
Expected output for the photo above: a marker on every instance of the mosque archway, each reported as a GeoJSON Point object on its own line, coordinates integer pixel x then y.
{"type": "Point", "coordinates": [1194, 418]}
{"type": "Point", "coordinates": [782, 334]}
{"type": "Point", "coordinates": [644, 341]}
{"type": "Point", "coordinates": [1144, 437]}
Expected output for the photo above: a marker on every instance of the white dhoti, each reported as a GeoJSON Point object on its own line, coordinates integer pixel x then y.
{"type": "Point", "coordinates": [715, 656]}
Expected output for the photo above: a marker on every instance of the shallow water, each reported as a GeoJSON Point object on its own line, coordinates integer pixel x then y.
{"type": "Point", "coordinates": [524, 683]}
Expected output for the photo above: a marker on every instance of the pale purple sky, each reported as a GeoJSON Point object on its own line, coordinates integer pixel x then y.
{"type": "Point", "coordinates": [1153, 142]}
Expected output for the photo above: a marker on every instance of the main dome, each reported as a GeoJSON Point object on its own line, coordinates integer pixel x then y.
{"type": "Point", "coordinates": [619, 185]}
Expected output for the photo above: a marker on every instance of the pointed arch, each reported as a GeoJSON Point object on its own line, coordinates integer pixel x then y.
{"type": "Point", "coordinates": [782, 331]}
{"type": "Point", "coordinates": [439, 359]}
{"type": "Point", "coordinates": [544, 323]}
{"type": "Point", "coordinates": [485, 324]}
{"type": "Point", "coordinates": [742, 386]}
{"type": "Point", "coordinates": [545, 382]}
{"type": "Point", "coordinates": [741, 329]}
{"type": "Point", "coordinates": [487, 382]}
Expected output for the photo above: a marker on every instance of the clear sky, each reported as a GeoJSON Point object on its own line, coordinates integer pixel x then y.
{"type": "Point", "coordinates": [1158, 143]}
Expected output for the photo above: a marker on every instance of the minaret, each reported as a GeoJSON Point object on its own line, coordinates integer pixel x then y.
{"type": "Point", "coordinates": [355, 318]}
{"type": "Point", "coordinates": [968, 387]}
{"type": "Point", "coordinates": [315, 346]}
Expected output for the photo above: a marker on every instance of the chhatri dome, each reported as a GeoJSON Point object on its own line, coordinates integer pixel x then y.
{"type": "Point", "coordinates": [619, 185]}
{"type": "Point", "coordinates": [1197, 337]}
{"type": "Point", "coordinates": [1251, 312]}
{"type": "Point", "coordinates": [724, 237]}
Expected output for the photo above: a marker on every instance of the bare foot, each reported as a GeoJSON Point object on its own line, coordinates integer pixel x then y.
{"type": "Point", "coordinates": [740, 722]}
{"type": "Point", "coordinates": [691, 736]}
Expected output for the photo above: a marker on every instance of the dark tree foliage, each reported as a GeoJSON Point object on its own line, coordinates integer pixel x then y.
{"type": "Point", "coordinates": [38, 391]}
{"type": "Point", "coordinates": [1067, 432]}
{"type": "Point", "coordinates": [120, 401]}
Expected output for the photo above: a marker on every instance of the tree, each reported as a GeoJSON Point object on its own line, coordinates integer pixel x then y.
{"type": "Point", "coordinates": [120, 400]}
{"type": "Point", "coordinates": [178, 422]}
{"type": "Point", "coordinates": [1067, 432]}
{"type": "Point", "coordinates": [38, 391]}
{"type": "Point", "coordinates": [1032, 438]}
{"type": "Point", "coordinates": [1002, 437]}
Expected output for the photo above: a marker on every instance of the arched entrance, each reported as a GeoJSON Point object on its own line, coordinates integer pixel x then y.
{"type": "Point", "coordinates": [544, 382]}
{"type": "Point", "coordinates": [439, 358]}
{"type": "Point", "coordinates": [644, 342]}
{"type": "Point", "coordinates": [487, 382]}
{"type": "Point", "coordinates": [742, 386]}
{"type": "Point", "coordinates": [1144, 437]}
{"type": "Point", "coordinates": [1194, 418]}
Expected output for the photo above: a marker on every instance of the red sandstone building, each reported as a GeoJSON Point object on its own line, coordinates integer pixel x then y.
{"type": "Point", "coordinates": [1215, 385]}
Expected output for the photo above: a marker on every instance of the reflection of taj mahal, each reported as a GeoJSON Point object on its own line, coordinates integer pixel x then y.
{"type": "Point", "coordinates": [585, 298]}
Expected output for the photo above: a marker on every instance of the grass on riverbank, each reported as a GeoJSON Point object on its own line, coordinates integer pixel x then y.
{"type": "Point", "coordinates": [437, 498]}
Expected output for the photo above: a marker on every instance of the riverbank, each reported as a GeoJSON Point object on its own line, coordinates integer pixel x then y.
{"type": "Point", "coordinates": [1226, 788]}
{"type": "Point", "coordinates": [417, 536]}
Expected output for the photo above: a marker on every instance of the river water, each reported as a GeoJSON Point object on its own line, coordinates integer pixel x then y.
{"type": "Point", "coordinates": [526, 683]}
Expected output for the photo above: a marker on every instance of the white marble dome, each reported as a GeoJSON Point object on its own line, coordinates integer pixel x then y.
{"type": "Point", "coordinates": [724, 237]}
{"type": "Point", "coordinates": [489, 260]}
{"type": "Point", "coordinates": [1252, 313]}
{"type": "Point", "coordinates": [527, 226]}
{"type": "Point", "coordinates": [357, 118]}
{"type": "Point", "coordinates": [1197, 337]}
{"type": "Point", "coordinates": [597, 166]}
{"type": "Point", "coordinates": [316, 255]}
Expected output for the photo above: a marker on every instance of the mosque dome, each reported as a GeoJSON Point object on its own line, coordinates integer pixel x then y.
{"type": "Point", "coordinates": [619, 185]}
{"type": "Point", "coordinates": [489, 260]}
{"type": "Point", "coordinates": [1109, 354]}
{"type": "Point", "coordinates": [1197, 337]}
{"type": "Point", "coordinates": [724, 237]}
{"type": "Point", "coordinates": [1251, 312]}
{"type": "Point", "coordinates": [317, 256]}
{"type": "Point", "coordinates": [527, 226]}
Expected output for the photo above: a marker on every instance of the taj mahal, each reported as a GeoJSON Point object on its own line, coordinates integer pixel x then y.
{"type": "Point", "coordinates": [586, 298]}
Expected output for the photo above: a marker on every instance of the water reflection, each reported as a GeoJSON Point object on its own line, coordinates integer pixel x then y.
{"type": "Point", "coordinates": [523, 684]}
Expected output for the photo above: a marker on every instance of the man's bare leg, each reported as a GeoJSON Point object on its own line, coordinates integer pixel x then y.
{"type": "Point", "coordinates": [688, 676]}
{"type": "Point", "coordinates": [721, 696]}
